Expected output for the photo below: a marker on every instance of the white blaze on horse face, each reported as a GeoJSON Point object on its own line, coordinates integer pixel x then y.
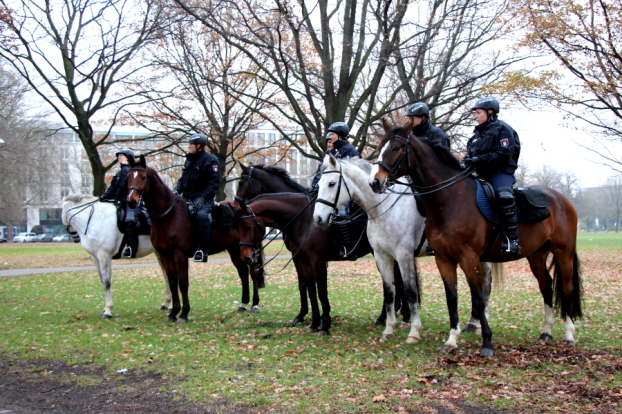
{"type": "Point", "coordinates": [375, 169]}
{"type": "Point", "coordinates": [135, 174]}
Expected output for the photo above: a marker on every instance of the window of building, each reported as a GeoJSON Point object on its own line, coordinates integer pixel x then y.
{"type": "Point", "coordinates": [271, 138]}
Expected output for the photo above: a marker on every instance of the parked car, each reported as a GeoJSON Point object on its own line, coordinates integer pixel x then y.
{"type": "Point", "coordinates": [25, 238]}
{"type": "Point", "coordinates": [62, 238]}
{"type": "Point", "coordinates": [45, 237]}
{"type": "Point", "coordinates": [2, 239]}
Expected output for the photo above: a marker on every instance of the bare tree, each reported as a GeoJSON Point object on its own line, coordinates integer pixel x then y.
{"type": "Point", "coordinates": [24, 175]}
{"type": "Point", "coordinates": [613, 195]}
{"type": "Point", "coordinates": [211, 92]}
{"type": "Point", "coordinates": [74, 53]}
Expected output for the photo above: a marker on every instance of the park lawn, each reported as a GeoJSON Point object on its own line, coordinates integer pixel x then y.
{"type": "Point", "coordinates": [262, 361]}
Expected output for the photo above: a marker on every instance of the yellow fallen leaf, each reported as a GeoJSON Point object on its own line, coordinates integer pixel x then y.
{"type": "Point", "coordinates": [379, 398]}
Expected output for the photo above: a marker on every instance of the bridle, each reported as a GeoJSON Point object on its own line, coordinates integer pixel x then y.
{"type": "Point", "coordinates": [140, 192]}
{"type": "Point", "coordinates": [333, 204]}
{"type": "Point", "coordinates": [421, 190]}
{"type": "Point", "coordinates": [249, 185]}
{"type": "Point", "coordinates": [256, 250]}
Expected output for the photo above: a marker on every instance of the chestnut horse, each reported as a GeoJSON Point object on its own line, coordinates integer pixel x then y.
{"type": "Point", "coordinates": [172, 236]}
{"type": "Point", "coordinates": [460, 234]}
{"type": "Point", "coordinates": [268, 179]}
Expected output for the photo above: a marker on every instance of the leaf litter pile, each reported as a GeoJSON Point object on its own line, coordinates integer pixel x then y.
{"type": "Point", "coordinates": [279, 368]}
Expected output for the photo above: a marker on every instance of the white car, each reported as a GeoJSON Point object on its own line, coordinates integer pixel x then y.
{"type": "Point", "coordinates": [25, 238]}
{"type": "Point", "coordinates": [62, 238]}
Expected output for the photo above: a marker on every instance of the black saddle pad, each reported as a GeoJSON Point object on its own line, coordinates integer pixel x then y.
{"type": "Point", "coordinates": [532, 204]}
{"type": "Point", "coordinates": [222, 215]}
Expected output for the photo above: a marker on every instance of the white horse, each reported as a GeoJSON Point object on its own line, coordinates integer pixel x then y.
{"type": "Point", "coordinates": [395, 230]}
{"type": "Point", "coordinates": [94, 225]}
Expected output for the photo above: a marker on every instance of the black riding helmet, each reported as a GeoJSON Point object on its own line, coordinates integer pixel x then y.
{"type": "Point", "coordinates": [199, 139]}
{"type": "Point", "coordinates": [128, 154]}
{"type": "Point", "coordinates": [486, 104]}
{"type": "Point", "coordinates": [340, 128]}
{"type": "Point", "coordinates": [418, 109]}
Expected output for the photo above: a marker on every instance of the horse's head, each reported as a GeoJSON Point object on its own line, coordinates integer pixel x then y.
{"type": "Point", "coordinates": [250, 184]}
{"type": "Point", "coordinates": [333, 192]}
{"type": "Point", "coordinates": [393, 156]}
{"type": "Point", "coordinates": [251, 232]}
{"type": "Point", "coordinates": [137, 182]}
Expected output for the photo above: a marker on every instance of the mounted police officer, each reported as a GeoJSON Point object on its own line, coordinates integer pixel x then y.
{"type": "Point", "coordinates": [493, 151]}
{"type": "Point", "coordinates": [117, 192]}
{"type": "Point", "coordinates": [348, 217]}
{"type": "Point", "coordinates": [199, 184]}
{"type": "Point", "coordinates": [423, 129]}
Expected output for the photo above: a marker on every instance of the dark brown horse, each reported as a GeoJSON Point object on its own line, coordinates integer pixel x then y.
{"type": "Point", "coordinates": [172, 236]}
{"type": "Point", "coordinates": [267, 179]}
{"type": "Point", "coordinates": [311, 247]}
{"type": "Point", "coordinates": [460, 234]}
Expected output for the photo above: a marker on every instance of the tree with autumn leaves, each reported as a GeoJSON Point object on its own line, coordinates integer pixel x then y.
{"type": "Point", "coordinates": [585, 79]}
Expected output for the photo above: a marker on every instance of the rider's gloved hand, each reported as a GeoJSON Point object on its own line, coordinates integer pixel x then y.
{"type": "Point", "coordinates": [199, 203]}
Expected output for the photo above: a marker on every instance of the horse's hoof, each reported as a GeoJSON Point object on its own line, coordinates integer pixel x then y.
{"type": "Point", "coordinates": [448, 349]}
{"type": "Point", "coordinates": [241, 309]}
{"type": "Point", "coordinates": [106, 316]}
{"type": "Point", "coordinates": [182, 320]}
{"type": "Point", "coordinates": [379, 322]}
{"type": "Point", "coordinates": [171, 319]}
{"type": "Point", "coordinates": [487, 352]}
{"type": "Point", "coordinates": [469, 327]}
{"type": "Point", "coordinates": [412, 340]}
{"type": "Point", "coordinates": [255, 309]}
{"type": "Point", "coordinates": [312, 330]}
{"type": "Point", "coordinates": [546, 337]}
{"type": "Point", "coordinates": [296, 321]}
{"type": "Point", "coordinates": [387, 337]}
{"type": "Point", "coordinates": [163, 308]}
{"type": "Point", "coordinates": [323, 333]}
{"type": "Point", "coordinates": [569, 343]}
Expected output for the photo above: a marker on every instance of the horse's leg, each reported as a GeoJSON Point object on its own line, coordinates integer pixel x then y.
{"type": "Point", "coordinates": [104, 268]}
{"type": "Point", "coordinates": [181, 263]}
{"type": "Point", "coordinates": [411, 295]}
{"type": "Point", "coordinates": [474, 323]}
{"type": "Point", "coordinates": [168, 262]}
{"type": "Point", "coordinates": [537, 263]}
{"type": "Point", "coordinates": [242, 269]}
{"type": "Point", "coordinates": [321, 277]}
{"type": "Point", "coordinates": [568, 289]}
{"type": "Point", "coordinates": [167, 288]}
{"type": "Point", "coordinates": [384, 263]}
{"type": "Point", "coordinates": [258, 276]}
{"type": "Point", "coordinates": [304, 304]}
{"type": "Point", "coordinates": [315, 308]}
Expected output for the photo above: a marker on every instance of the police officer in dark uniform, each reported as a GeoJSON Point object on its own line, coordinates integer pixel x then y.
{"type": "Point", "coordinates": [199, 184]}
{"type": "Point", "coordinates": [338, 145]}
{"type": "Point", "coordinates": [117, 192]}
{"type": "Point", "coordinates": [493, 151]}
{"type": "Point", "coordinates": [423, 129]}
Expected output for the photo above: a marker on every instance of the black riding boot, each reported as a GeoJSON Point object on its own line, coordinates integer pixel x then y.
{"type": "Point", "coordinates": [203, 223]}
{"type": "Point", "coordinates": [509, 221]}
{"type": "Point", "coordinates": [131, 240]}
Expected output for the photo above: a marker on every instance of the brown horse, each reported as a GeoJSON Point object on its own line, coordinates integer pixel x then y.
{"type": "Point", "coordinates": [268, 179]}
{"type": "Point", "coordinates": [172, 236]}
{"type": "Point", "coordinates": [460, 234]}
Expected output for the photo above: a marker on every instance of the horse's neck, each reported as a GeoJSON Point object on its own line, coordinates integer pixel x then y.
{"type": "Point", "coordinates": [278, 212]}
{"type": "Point", "coordinates": [159, 197]}
{"type": "Point", "coordinates": [363, 195]}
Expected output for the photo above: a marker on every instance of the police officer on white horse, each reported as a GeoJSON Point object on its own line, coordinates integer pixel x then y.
{"type": "Point", "coordinates": [199, 184]}
{"type": "Point", "coordinates": [117, 192]}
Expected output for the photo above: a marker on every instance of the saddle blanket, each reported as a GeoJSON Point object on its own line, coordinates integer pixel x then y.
{"type": "Point", "coordinates": [531, 203]}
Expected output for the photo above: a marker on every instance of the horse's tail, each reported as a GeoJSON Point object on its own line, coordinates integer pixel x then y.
{"type": "Point", "coordinates": [498, 276]}
{"type": "Point", "coordinates": [260, 275]}
{"type": "Point", "coordinates": [569, 305]}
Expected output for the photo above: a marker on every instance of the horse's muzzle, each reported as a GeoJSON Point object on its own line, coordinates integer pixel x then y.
{"type": "Point", "coordinates": [377, 186]}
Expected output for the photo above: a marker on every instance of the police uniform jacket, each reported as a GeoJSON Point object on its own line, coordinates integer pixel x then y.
{"type": "Point", "coordinates": [341, 149]}
{"type": "Point", "coordinates": [118, 186]}
{"type": "Point", "coordinates": [429, 133]}
{"type": "Point", "coordinates": [496, 146]}
{"type": "Point", "coordinates": [200, 177]}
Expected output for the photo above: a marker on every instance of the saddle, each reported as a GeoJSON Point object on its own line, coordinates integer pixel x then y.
{"type": "Point", "coordinates": [221, 215]}
{"type": "Point", "coordinates": [144, 223]}
{"type": "Point", "coordinates": [531, 203]}
{"type": "Point", "coordinates": [348, 233]}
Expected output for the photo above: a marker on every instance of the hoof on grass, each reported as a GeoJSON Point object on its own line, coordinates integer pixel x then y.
{"type": "Point", "coordinates": [182, 320]}
{"type": "Point", "coordinates": [546, 337]}
{"type": "Point", "coordinates": [487, 352]}
{"type": "Point", "coordinates": [255, 309]}
{"type": "Point", "coordinates": [106, 316]}
{"type": "Point", "coordinates": [241, 309]}
{"type": "Point", "coordinates": [163, 308]}
{"type": "Point", "coordinates": [412, 340]}
{"type": "Point", "coordinates": [312, 330]}
{"type": "Point", "coordinates": [387, 337]}
{"type": "Point", "coordinates": [469, 327]}
{"type": "Point", "coordinates": [448, 349]}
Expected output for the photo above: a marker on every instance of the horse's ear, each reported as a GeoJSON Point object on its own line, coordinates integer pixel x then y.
{"type": "Point", "coordinates": [332, 160]}
{"type": "Point", "coordinates": [142, 162]}
{"type": "Point", "coordinates": [244, 168]}
{"type": "Point", "coordinates": [408, 126]}
{"type": "Point", "coordinates": [385, 124]}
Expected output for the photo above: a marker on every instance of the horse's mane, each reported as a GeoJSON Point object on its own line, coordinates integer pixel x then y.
{"type": "Point", "coordinates": [361, 163]}
{"type": "Point", "coordinates": [283, 174]}
{"type": "Point", "coordinates": [76, 198]}
{"type": "Point", "coordinates": [441, 151]}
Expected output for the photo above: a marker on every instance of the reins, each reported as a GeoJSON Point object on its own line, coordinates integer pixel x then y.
{"type": "Point", "coordinates": [84, 207]}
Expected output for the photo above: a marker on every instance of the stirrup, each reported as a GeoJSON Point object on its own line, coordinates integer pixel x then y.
{"type": "Point", "coordinates": [127, 252]}
{"type": "Point", "coordinates": [429, 250]}
{"type": "Point", "coordinates": [199, 256]}
{"type": "Point", "coordinates": [511, 246]}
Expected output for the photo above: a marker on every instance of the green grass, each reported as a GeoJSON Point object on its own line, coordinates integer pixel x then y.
{"type": "Point", "coordinates": [601, 240]}
{"type": "Point", "coordinates": [262, 361]}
